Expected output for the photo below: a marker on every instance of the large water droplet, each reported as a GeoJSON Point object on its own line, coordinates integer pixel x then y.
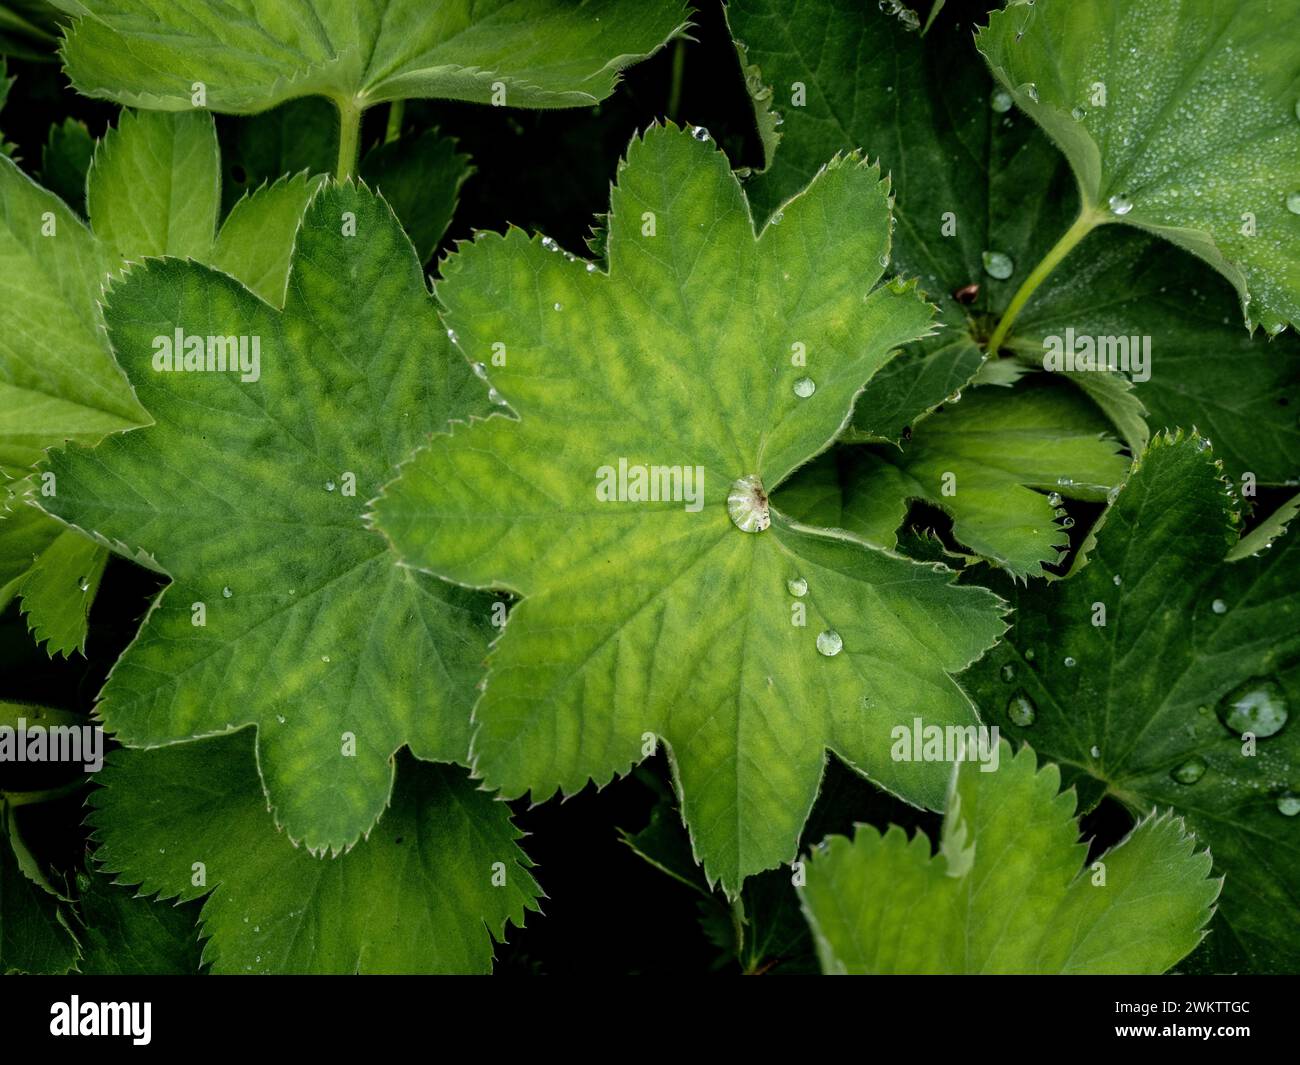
{"type": "Point", "coordinates": [1190, 771]}
{"type": "Point", "coordinates": [1257, 706]}
{"type": "Point", "coordinates": [798, 587]}
{"type": "Point", "coordinates": [1021, 710]}
{"type": "Point", "coordinates": [1054, 499]}
{"type": "Point", "coordinates": [549, 244]}
{"type": "Point", "coordinates": [747, 504]}
{"type": "Point", "coordinates": [805, 387]}
{"type": "Point", "coordinates": [1008, 672]}
{"type": "Point", "coordinates": [1288, 804]}
{"type": "Point", "coordinates": [699, 133]}
{"type": "Point", "coordinates": [829, 643]}
{"type": "Point", "coordinates": [998, 265]}
{"type": "Point", "coordinates": [1000, 101]}
{"type": "Point", "coordinates": [1293, 202]}
{"type": "Point", "coordinates": [1119, 204]}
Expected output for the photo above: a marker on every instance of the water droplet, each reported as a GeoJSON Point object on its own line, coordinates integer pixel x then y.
{"type": "Point", "coordinates": [451, 335]}
{"type": "Point", "coordinates": [1119, 204]}
{"type": "Point", "coordinates": [83, 584]}
{"type": "Point", "coordinates": [496, 397]}
{"type": "Point", "coordinates": [329, 486]}
{"type": "Point", "coordinates": [1288, 804]}
{"type": "Point", "coordinates": [226, 593]}
{"type": "Point", "coordinates": [1021, 710]}
{"type": "Point", "coordinates": [776, 218]}
{"type": "Point", "coordinates": [883, 260]}
{"type": "Point", "coordinates": [559, 306]}
{"type": "Point", "coordinates": [1256, 706]}
{"type": "Point", "coordinates": [747, 504]}
{"type": "Point", "coordinates": [998, 265]}
{"type": "Point", "coordinates": [1293, 202]}
{"type": "Point", "coordinates": [1095, 751]}
{"type": "Point", "coordinates": [479, 369]}
{"type": "Point", "coordinates": [699, 133]}
{"type": "Point", "coordinates": [954, 398]}
{"type": "Point", "coordinates": [1190, 771]}
{"type": "Point", "coordinates": [1067, 522]}
{"type": "Point", "coordinates": [549, 244]}
{"type": "Point", "coordinates": [280, 718]}
{"type": "Point", "coordinates": [1078, 114]}
{"type": "Point", "coordinates": [1008, 672]}
{"type": "Point", "coordinates": [1029, 654]}
{"type": "Point", "coordinates": [1117, 580]}
{"type": "Point", "coordinates": [325, 658]}
{"type": "Point", "coordinates": [805, 387]}
{"type": "Point", "coordinates": [1031, 90]}
{"type": "Point", "coordinates": [1070, 663]}
{"type": "Point", "coordinates": [829, 643]}
{"type": "Point", "coordinates": [1219, 606]}
{"type": "Point", "coordinates": [798, 587]}
{"type": "Point", "coordinates": [1000, 101]}
{"type": "Point", "coordinates": [1054, 499]}
{"type": "Point", "coordinates": [591, 268]}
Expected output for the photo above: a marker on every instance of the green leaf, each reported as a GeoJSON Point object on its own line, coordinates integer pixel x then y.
{"type": "Point", "coordinates": [420, 177]}
{"type": "Point", "coordinates": [256, 239]}
{"type": "Point", "coordinates": [989, 460]}
{"type": "Point", "coordinates": [1262, 537]}
{"type": "Point", "coordinates": [65, 160]}
{"type": "Point", "coordinates": [1195, 131]}
{"type": "Point", "coordinates": [34, 934]}
{"type": "Point", "coordinates": [123, 934]}
{"type": "Point", "coordinates": [1008, 891]}
{"type": "Point", "coordinates": [665, 619]}
{"type": "Point", "coordinates": [59, 585]}
{"type": "Point", "coordinates": [544, 53]}
{"type": "Point", "coordinates": [1140, 707]}
{"type": "Point", "coordinates": [154, 186]}
{"type": "Point", "coordinates": [366, 656]}
{"type": "Point", "coordinates": [416, 896]}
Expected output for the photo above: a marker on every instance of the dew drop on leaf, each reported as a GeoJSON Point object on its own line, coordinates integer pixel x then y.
{"type": "Point", "coordinates": [1000, 101]}
{"type": "Point", "coordinates": [1190, 771]}
{"type": "Point", "coordinates": [1054, 499]}
{"type": "Point", "coordinates": [798, 587]}
{"type": "Point", "coordinates": [329, 486]}
{"type": "Point", "coordinates": [829, 643]}
{"type": "Point", "coordinates": [1293, 202]}
{"type": "Point", "coordinates": [1031, 90]}
{"type": "Point", "coordinates": [747, 505]}
{"type": "Point", "coordinates": [1288, 804]}
{"type": "Point", "coordinates": [1009, 672]}
{"type": "Point", "coordinates": [1078, 114]}
{"type": "Point", "coordinates": [1257, 706]}
{"type": "Point", "coordinates": [805, 387]}
{"type": "Point", "coordinates": [1070, 663]}
{"type": "Point", "coordinates": [998, 265]}
{"type": "Point", "coordinates": [1021, 710]}
{"type": "Point", "coordinates": [226, 593]}
{"type": "Point", "coordinates": [699, 133]}
{"type": "Point", "coordinates": [1219, 606]}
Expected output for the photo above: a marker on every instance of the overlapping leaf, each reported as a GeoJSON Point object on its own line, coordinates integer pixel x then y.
{"type": "Point", "coordinates": [248, 490]}
{"type": "Point", "coordinates": [644, 618]}
{"type": "Point", "coordinates": [1008, 891]}
{"type": "Point", "coordinates": [544, 53]}
{"type": "Point", "coordinates": [428, 891]}
{"type": "Point", "coordinates": [1179, 118]}
{"type": "Point", "coordinates": [1140, 673]}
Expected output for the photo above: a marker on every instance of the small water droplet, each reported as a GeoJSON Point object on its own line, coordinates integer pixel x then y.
{"type": "Point", "coordinates": [1117, 580]}
{"type": "Point", "coordinates": [1219, 606]}
{"type": "Point", "coordinates": [883, 260]}
{"type": "Point", "coordinates": [1031, 90]}
{"type": "Point", "coordinates": [1095, 751]}
{"type": "Point", "coordinates": [549, 244]}
{"type": "Point", "coordinates": [776, 218]}
{"type": "Point", "coordinates": [280, 718]}
{"type": "Point", "coordinates": [226, 593]}
{"type": "Point", "coordinates": [1190, 771]}
{"type": "Point", "coordinates": [1078, 114]}
{"type": "Point", "coordinates": [1000, 101]}
{"type": "Point", "coordinates": [1029, 654]}
{"type": "Point", "coordinates": [591, 268]}
{"type": "Point", "coordinates": [1054, 499]}
{"type": "Point", "coordinates": [479, 369]}
{"type": "Point", "coordinates": [954, 398]}
{"type": "Point", "coordinates": [1257, 706]}
{"type": "Point", "coordinates": [1288, 804]}
{"type": "Point", "coordinates": [1021, 710]}
{"type": "Point", "coordinates": [329, 486]}
{"type": "Point", "coordinates": [1070, 663]}
{"type": "Point", "coordinates": [805, 387]}
{"type": "Point", "coordinates": [1067, 522]}
{"type": "Point", "coordinates": [1119, 204]}
{"type": "Point", "coordinates": [998, 265]}
{"type": "Point", "coordinates": [559, 306]}
{"type": "Point", "coordinates": [496, 397]}
{"type": "Point", "coordinates": [451, 335]}
{"type": "Point", "coordinates": [699, 133]}
{"type": "Point", "coordinates": [324, 658]}
{"type": "Point", "coordinates": [829, 643]}
{"type": "Point", "coordinates": [747, 505]}
{"type": "Point", "coordinates": [798, 587]}
{"type": "Point", "coordinates": [83, 584]}
{"type": "Point", "coordinates": [1008, 672]}
{"type": "Point", "coordinates": [1293, 202]}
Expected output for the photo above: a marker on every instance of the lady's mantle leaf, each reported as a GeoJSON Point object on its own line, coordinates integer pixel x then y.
{"type": "Point", "coordinates": [992, 461]}
{"type": "Point", "coordinates": [124, 934]}
{"type": "Point", "coordinates": [538, 53]}
{"type": "Point", "coordinates": [34, 933]}
{"type": "Point", "coordinates": [428, 891]}
{"type": "Point", "coordinates": [1180, 118]}
{"type": "Point", "coordinates": [727, 358]}
{"type": "Point", "coordinates": [1008, 891]}
{"type": "Point", "coordinates": [248, 490]}
{"type": "Point", "coordinates": [1141, 673]}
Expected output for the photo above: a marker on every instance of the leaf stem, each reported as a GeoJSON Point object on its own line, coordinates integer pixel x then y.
{"type": "Point", "coordinates": [14, 799]}
{"type": "Point", "coordinates": [395, 112]}
{"type": "Point", "coordinates": [738, 927]}
{"type": "Point", "coordinates": [349, 136]}
{"type": "Point", "coordinates": [1089, 219]}
{"type": "Point", "coordinates": [679, 69]}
